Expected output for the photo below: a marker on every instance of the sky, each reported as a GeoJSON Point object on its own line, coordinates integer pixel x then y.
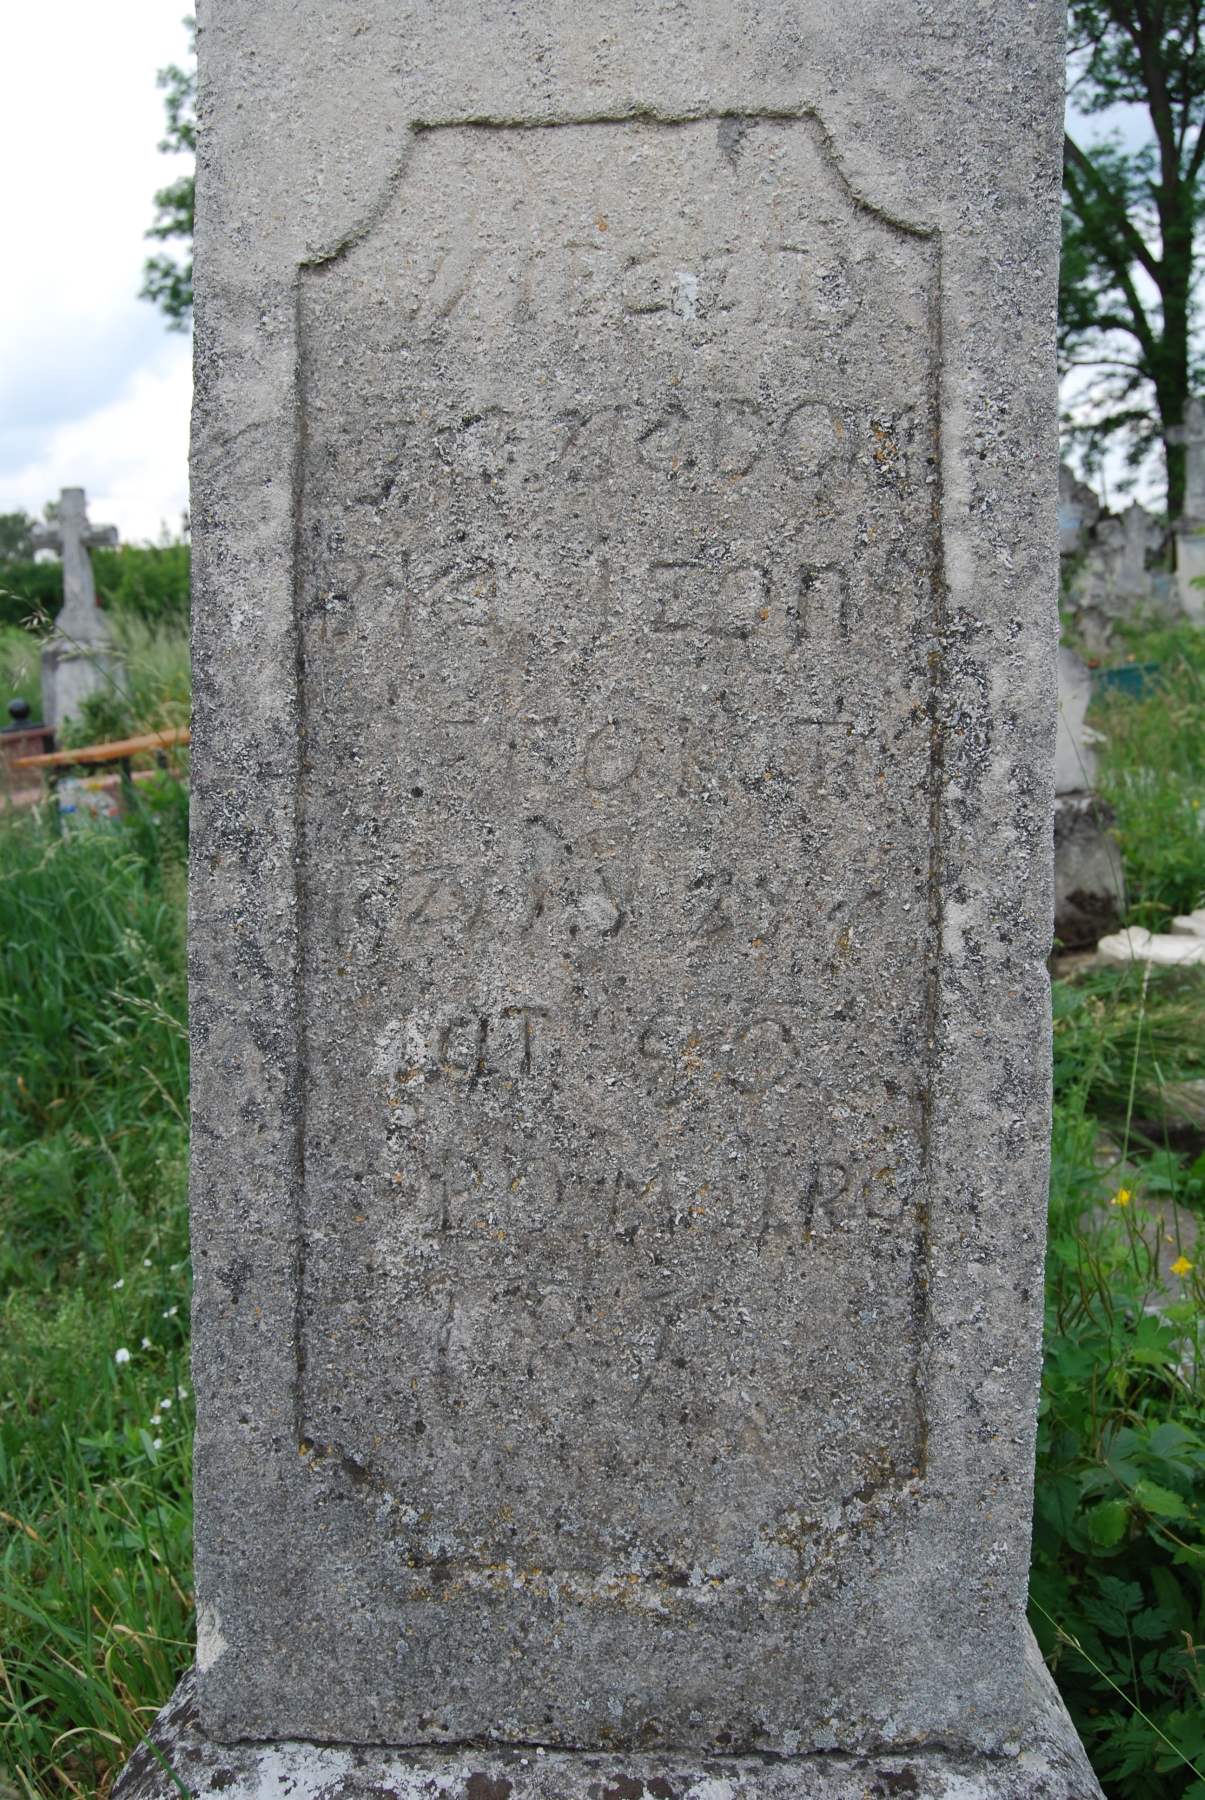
{"type": "Point", "coordinates": [94, 390]}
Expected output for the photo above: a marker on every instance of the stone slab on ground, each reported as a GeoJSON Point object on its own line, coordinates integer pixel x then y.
{"type": "Point", "coordinates": [1047, 1764]}
{"type": "Point", "coordinates": [1136, 944]}
{"type": "Point", "coordinates": [624, 480]}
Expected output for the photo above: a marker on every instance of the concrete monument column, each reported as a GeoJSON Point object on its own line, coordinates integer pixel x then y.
{"type": "Point", "coordinates": [625, 470]}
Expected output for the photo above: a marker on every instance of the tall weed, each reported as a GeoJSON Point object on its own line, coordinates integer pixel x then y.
{"type": "Point", "coordinates": [1117, 1587]}
{"type": "Point", "coordinates": [95, 1410]}
{"type": "Point", "coordinates": [1152, 771]}
{"type": "Point", "coordinates": [152, 694]}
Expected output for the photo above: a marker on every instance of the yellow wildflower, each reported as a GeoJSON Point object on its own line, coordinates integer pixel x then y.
{"type": "Point", "coordinates": [1121, 1197]}
{"type": "Point", "coordinates": [1181, 1266]}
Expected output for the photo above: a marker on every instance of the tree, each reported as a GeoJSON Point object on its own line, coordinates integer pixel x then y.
{"type": "Point", "coordinates": [16, 537]}
{"type": "Point", "coordinates": [1130, 219]}
{"type": "Point", "coordinates": [167, 282]}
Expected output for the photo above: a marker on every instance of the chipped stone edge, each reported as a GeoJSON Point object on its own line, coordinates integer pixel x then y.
{"type": "Point", "coordinates": [179, 1760]}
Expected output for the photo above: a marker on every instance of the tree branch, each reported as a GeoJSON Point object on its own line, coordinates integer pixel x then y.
{"type": "Point", "coordinates": [1086, 167]}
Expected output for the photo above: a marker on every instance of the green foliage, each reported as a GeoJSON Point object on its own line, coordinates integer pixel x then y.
{"type": "Point", "coordinates": [1152, 770]}
{"type": "Point", "coordinates": [1130, 224]}
{"type": "Point", "coordinates": [1121, 1050]}
{"type": "Point", "coordinates": [166, 282]}
{"type": "Point", "coordinates": [16, 537]}
{"type": "Point", "coordinates": [20, 671]}
{"type": "Point", "coordinates": [148, 580]}
{"type": "Point", "coordinates": [30, 593]}
{"type": "Point", "coordinates": [1117, 1588]}
{"type": "Point", "coordinates": [155, 690]}
{"type": "Point", "coordinates": [95, 1600]}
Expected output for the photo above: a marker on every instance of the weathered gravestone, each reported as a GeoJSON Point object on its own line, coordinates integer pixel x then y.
{"type": "Point", "coordinates": [1190, 527]}
{"type": "Point", "coordinates": [1089, 886]}
{"type": "Point", "coordinates": [625, 469]}
{"type": "Point", "coordinates": [79, 659]}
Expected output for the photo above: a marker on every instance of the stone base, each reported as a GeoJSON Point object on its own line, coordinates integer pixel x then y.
{"type": "Point", "coordinates": [1089, 889]}
{"type": "Point", "coordinates": [71, 672]}
{"type": "Point", "coordinates": [1050, 1763]}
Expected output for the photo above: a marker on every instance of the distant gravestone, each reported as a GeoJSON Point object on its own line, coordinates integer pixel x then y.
{"type": "Point", "coordinates": [1190, 527]}
{"type": "Point", "coordinates": [1079, 509]}
{"type": "Point", "coordinates": [1089, 887]}
{"type": "Point", "coordinates": [1075, 741]}
{"type": "Point", "coordinates": [78, 660]}
{"type": "Point", "coordinates": [619, 922]}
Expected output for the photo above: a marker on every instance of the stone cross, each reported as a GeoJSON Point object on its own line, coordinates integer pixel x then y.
{"type": "Point", "coordinates": [78, 660]}
{"type": "Point", "coordinates": [73, 537]}
{"type": "Point", "coordinates": [626, 533]}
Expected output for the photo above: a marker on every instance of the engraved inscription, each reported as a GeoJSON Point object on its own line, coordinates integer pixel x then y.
{"type": "Point", "coordinates": [613, 1117]}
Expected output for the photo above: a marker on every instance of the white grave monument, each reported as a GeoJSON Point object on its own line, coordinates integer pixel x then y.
{"type": "Point", "coordinates": [79, 658]}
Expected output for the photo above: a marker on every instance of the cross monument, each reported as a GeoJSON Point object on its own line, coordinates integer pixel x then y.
{"type": "Point", "coordinates": [79, 658]}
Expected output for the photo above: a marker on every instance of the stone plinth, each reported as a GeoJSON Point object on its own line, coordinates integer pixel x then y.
{"type": "Point", "coordinates": [1048, 1760]}
{"type": "Point", "coordinates": [625, 470]}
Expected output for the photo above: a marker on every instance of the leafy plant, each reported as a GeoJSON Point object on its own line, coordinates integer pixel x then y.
{"type": "Point", "coordinates": [1117, 1587]}
{"type": "Point", "coordinates": [166, 282]}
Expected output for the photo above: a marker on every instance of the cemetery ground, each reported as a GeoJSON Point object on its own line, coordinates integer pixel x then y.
{"type": "Point", "coordinates": [96, 1611]}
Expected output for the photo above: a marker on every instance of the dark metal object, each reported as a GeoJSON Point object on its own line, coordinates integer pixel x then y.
{"type": "Point", "coordinates": [24, 737]}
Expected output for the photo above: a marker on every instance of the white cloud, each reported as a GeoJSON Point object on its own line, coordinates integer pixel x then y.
{"type": "Point", "coordinates": [131, 456]}
{"type": "Point", "coordinates": [93, 390]}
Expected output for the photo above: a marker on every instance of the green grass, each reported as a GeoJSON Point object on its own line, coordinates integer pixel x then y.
{"type": "Point", "coordinates": [95, 1588]}
{"type": "Point", "coordinates": [1152, 770]}
{"type": "Point", "coordinates": [20, 670]}
{"type": "Point", "coordinates": [1117, 1589]}
{"type": "Point", "coordinates": [154, 692]}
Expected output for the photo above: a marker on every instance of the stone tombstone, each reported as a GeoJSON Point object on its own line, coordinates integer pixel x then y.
{"type": "Point", "coordinates": [626, 534]}
{"type": "Point", "coordinates": [1075, 740]}
{"type": "Point", "coordinates": [1089, 886]}
{"type": "Point", "coordinates": [1190, 527]}
{"type": "Point", "coordinates": [79, 659]}
{"type": "Point", "coordinates": [1079, 509]}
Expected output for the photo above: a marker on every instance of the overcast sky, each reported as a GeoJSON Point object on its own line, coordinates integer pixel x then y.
{"type": "Point", "coordinates": [94, 391]}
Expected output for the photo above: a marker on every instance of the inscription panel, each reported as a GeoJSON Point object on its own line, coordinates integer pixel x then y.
{"type": "Point", "coordinates": [618, 577]}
